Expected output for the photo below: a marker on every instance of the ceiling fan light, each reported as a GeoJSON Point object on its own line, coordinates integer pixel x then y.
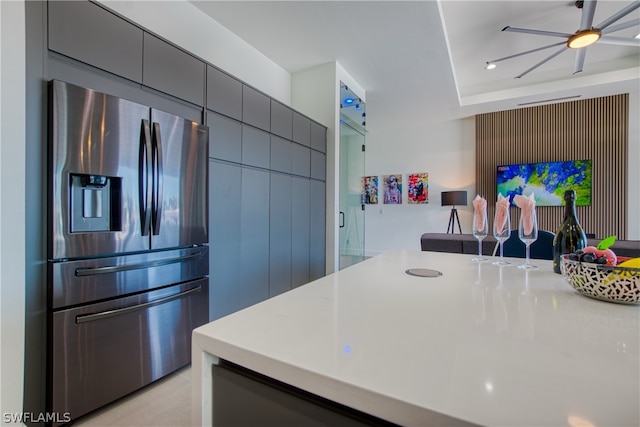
{"type": "Point", "coordinates": [583, 39]}
{"type": "Point", "coordinates": [490, 66]}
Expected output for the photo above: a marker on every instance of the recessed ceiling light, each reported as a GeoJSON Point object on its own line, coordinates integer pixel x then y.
{"type": "Point", "coordinates": [490, 66]}
{"type": "Point", "coordinates": [637, 36]}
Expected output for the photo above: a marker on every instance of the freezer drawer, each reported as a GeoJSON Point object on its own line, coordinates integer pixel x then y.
{"type": "Point", "coordinates": [101, 352]}
{"type": "Point", "coordinates": [92, 280]}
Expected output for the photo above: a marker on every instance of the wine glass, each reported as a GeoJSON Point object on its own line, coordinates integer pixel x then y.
{"type": "Point", "coordinates": [480, 233]}
{"type": "Point", "coordinates": [528, 237]}
{"type": "Point", "coordinates": [502, 234]}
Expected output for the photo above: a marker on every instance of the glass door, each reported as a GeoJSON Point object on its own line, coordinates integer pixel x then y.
{"type": "Point", "coordinates": [352, 140]}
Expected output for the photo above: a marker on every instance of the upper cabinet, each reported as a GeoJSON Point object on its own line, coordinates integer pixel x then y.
{"type": "Point", "coordinates": [256, 108]}
{"type": "Point", "coordinates": [318, 137]}
{"type": "Point", "coordinates": [224, 93]}
{"type": "Point", "coordinates": [172, 70]}
{"type": "Point", "coordinates": [301, 129]}
{"type": "Point", "coordinates": [281, 120]}
{"type": "Point", "coordinates": [91, 34]}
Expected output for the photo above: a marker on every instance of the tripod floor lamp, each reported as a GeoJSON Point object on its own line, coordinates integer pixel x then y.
{"type": "Point", "coordinates": [454, 198]}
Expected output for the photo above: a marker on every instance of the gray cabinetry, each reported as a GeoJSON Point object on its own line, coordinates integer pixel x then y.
{"type": "Point", "coordinates": [280, 154]}
{"type": "Point", "coordinates": [254, 237]}
{"type": "Point", "coordinates": [318, 137]}
{"type": "Point", "coordinates": [256, 147]}
{"type": "Point", "coordinates": [224, 93]}
{"type": "Point", "coordinates": [280, 215]}
{"type": "Point", "coordinates": [225, 138]}
{"type": "Point", "coordinates": [300, 230]}
{"type": "Point", "coordinates": [256, 108]}
{"type": "Point", "coordinates": [93, 35]}
{"type": "Point", "coordinates": [173, 71]}
{"type": "Point", "coordinates": [301, 129]}
{"type": "Point", "coordinates": [281, 120]}
{"type": "Point", "coordinates": [317, 229]}
{"type": "Point", "coordinates": [225, 293]}
{"type": "Point", "coordinates": [300, 160]}
{"type": "Point", "coordinates": [318, 165]}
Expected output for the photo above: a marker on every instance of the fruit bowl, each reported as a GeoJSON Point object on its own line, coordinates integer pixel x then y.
{"type": "Point", "coordinates": [608, 283]}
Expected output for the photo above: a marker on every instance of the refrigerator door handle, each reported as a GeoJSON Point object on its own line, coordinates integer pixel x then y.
{"type": "Point", "coordinates": [92, 271]}
{"type": "Point", "coordinates": [144, 177]}
{"type": "Point", "coordinates": [157, 179]}
{"type": "Point", "coordinates": [83, 318]}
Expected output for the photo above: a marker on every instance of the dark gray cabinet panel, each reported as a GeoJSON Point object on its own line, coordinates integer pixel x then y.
{"type": "Point", "coordinates": [280, 230]}
{"type": "Point", "coordinates": [317, 226]}
{"type": "Point", "coordinates": [225, 293]}
{"type": "Point", "coordinates": [254, 237]}
{"type": "Point", "coordinates": [300, 232]}
{"type": "Point", "coordinates": [224, 93]}
{"type": "Point", "coordinates": [240, 397]}
{"type": "Point", "coordinates": [318, 165]}
{"type": "Point", "coordinates": [225, 137]}
{"type": "Point", "coordinates": [173, 71]}
{"type": "Point", "coordinates": [256, 147]}
{"type": "Point", "coordinates": [280, 154]}
{"type": "Point", "coordinates": [300, 160]}
{"type": "Point", "coordinates": [318, 137]}
{"type": "Point", "coordinates": [301, 129]}
{"type": "Point", "coordinates": [281, 120]}
{"type": "Point", "coordinates": [256, 108]}
{"type": "Point", "coordinates": [91, 34]}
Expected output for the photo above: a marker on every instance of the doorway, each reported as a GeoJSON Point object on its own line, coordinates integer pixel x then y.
{"type": "Point", "coordinates": [352, 161]}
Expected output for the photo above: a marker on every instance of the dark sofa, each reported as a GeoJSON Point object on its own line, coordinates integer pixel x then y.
{"type": "Point", "coordinates": [467, 244]}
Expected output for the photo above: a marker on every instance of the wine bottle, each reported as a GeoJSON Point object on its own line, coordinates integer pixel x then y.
{"type": "Point", "coordinates": [570, 236]}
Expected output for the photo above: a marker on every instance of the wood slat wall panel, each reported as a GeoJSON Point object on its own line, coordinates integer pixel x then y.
{"type": "Point", "coordinates": [594, 129]}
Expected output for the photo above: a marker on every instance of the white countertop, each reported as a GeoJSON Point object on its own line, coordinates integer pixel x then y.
{"type": "Point", "coordinates": [493, 346]}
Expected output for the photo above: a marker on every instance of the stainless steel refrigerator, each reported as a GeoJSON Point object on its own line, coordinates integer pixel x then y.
{"type": "Point", "coordinates": [127, 247]}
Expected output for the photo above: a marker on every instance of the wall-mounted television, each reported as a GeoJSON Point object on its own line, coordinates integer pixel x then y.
{"type": "Point", "coordinates": [547, 181]}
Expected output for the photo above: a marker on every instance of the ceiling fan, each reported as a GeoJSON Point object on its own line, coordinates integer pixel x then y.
{"type": "Point", "coordinates": [585, 36]}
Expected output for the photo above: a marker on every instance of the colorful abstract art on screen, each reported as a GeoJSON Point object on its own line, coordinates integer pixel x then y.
{"type": "Point", "coordinates": [418, 191]}
{"type": "Point", "coordinates": [370, 190]}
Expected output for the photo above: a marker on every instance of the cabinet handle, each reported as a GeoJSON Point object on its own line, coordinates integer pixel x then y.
{"type": "Point", "coordinates": [341, 219]}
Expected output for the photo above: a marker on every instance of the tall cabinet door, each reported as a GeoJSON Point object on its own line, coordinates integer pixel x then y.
{"type": "Point", "coordinates": [254, 237]}
{"type": "Point", "coordinates": [300, 234]}
{"type": "Point", "coordinates": [224, 244]}
{"type": "Point", "coordinates": [280, 229]}
{"type": "Point", "coordinates": [318, 215]}
{"type": "Point", "coordinates": [182, 209]}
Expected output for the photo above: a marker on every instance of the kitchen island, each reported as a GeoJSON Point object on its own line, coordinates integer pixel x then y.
{"type": "Point", "coordinates": [479, 345]}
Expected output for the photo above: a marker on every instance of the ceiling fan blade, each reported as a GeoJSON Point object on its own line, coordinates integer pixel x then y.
{"type": "Point", "coordinates": [537, 32]}
{"type": "Point", "coordinates": [547, 59]}
{"type": "Point", "coordinates": [625, 11]}
{"type": "Point", "coordinates": [588, 11]}
{"type": "Point", "coordinates": [580, 54]}
{"type": "Point", "coordinates": [624, 25]}
{"type": "Point", "coordinates": [619, 41]}
{"type": "Point", "coordinates": [528, 52]}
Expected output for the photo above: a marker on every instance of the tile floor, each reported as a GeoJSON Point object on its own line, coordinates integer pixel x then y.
{"type": "Point", "coordinates": [167, 402]}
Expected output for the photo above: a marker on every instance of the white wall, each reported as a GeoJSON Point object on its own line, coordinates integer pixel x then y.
{"type": "Point", "coordinates": [446, 151]}
{"type": "Point", "coordinates": [12, 205]}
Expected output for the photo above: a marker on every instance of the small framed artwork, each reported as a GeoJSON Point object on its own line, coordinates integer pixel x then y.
{"type": "Point", "coordinates": [418, 191]}
{"type": "Point", "coordinates": [393, 189]}
{"type": "Point", "coordinates": [370, 190]}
